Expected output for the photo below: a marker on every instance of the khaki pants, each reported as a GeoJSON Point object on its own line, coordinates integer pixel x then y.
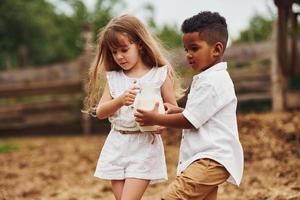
{"type": "Point", "coordinates": [199, 181]}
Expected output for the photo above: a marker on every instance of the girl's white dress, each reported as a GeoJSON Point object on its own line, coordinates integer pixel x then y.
{"type": "Point", "coordinates": [131, 155]}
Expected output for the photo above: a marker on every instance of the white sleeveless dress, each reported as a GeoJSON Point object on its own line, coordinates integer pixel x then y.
{"type": "Point", "coordinates": [131, 155]}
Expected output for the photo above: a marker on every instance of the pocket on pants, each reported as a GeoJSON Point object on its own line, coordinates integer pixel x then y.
{"type": "Point", "coordinates": [206, 172]}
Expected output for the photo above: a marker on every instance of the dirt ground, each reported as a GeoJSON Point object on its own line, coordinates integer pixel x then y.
{"type": "Point", "coordinates": [62, 167]}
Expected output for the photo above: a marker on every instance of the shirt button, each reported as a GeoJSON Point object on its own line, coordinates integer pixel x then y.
{"type": "Point", "coordinates": [180, 162]}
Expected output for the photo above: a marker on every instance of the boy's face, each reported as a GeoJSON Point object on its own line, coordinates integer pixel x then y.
{"type": "Point", "coordinates": [199, 54]}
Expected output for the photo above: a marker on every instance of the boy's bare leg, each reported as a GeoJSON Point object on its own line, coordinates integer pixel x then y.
{"type": "Point", "coordinates": [117, 188]}
{"type": "Point", "coordinates": [134, 189]}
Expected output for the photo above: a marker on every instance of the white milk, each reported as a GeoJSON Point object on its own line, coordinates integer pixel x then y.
{"type": "Point", "coordinates": [146, 101]}
{"type": "Point", "coordinates": [148, 104]}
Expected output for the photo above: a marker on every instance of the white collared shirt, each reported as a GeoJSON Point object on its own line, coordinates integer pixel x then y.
{"type": "Point", "coordinates": [211, 108]}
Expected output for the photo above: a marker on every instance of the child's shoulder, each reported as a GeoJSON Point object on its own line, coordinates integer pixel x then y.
{"type": "Point", "coordinates": [115, 77]}
{"type": "Point", "coordinates": [161, 68]}
{"type": "Point", "coordinates": [161, 71]}
{"type": "Point", "coordinates": [219, 80]}
{"type": "Point", "coordinates": [113, 74]}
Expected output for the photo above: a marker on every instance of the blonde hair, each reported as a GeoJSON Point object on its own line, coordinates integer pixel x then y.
{"type": "Point", "coordinates": [133, 28]}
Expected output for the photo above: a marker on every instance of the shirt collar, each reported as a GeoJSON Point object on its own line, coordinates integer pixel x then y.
{"type": "Point", "coordinates": [217, 67]}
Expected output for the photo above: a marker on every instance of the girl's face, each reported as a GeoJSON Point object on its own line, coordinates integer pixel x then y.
{"type": "Point", "coordinates": [199, 54]}
{"type": "Point", "coordinates": [127, 56]}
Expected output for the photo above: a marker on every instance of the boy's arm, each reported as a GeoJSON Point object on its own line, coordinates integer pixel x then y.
{"type": "Point", "coordinates": [147, 118]}
{"type": "Point", "coordinates": [108, 106]}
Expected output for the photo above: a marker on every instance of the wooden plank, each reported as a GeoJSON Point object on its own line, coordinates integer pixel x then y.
{"type": "Point", "coordinates": [36, 107]}
{"type": "Point", "coordinates": [293, 98]}
{"type": "Point", "coordinates": [253, 86]}
{"type": "Point", "coordinates": [40, 88]}
{"type": "Point", "coordinates": [41, 119]}
{"type": "Point", "coordinates": [283, 3]}
{"type": "Point", "coordinates": [282, 28]}
{"type": "Point", "coordinates": [249, 76]}
{"type": "Point", "coordinates": [253, 97]}
{"type": "Point", "coordinates": [294, 49]}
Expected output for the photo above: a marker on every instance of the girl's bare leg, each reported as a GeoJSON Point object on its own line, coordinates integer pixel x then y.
{"type": "Point", "coordinates": [134, 189]}
{"type": "Point", "coordinates": [117, 188]}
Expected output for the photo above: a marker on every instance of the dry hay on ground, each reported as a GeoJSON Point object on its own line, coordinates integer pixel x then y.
{"type": "Point", "coordinates": [61, 168]}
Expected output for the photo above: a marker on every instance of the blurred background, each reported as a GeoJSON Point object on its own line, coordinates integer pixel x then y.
{"type": "Point", "coordinates": [49, 149]}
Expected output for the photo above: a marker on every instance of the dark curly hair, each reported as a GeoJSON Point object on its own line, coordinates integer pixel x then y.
{"type": "Point", "coordinates": [211, 26]}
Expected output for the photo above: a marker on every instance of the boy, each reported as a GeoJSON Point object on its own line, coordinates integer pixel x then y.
{"type": "Point", "coordinates": [210, 151]}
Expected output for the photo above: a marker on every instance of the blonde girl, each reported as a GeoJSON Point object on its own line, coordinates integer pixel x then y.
{"type": "Point", "coordinates": [129, 55]}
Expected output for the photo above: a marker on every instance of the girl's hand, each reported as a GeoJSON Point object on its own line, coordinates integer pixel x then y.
{"type": "Point", "coordinates": [171, 109]}
{"type": "Point", "coordinates": [129, 95]}
{"type": "Point", "coordinates": [147, 118]}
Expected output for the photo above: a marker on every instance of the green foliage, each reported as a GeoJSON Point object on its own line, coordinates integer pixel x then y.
{"type": "Point", "coordinates": [150, 10]}
{"type": "Point", "coordinates": [259, 29]}
{"type": "Point", "coordinates": [6, 148]}
{"type": "Point", "coordinates": [103, 12]}
{"type": "Point", "coordinates": [34, 25]}
{"type": "Point", "coordinates": [170, 36]}
{"type": "Point", "coordinates": [47, 34]}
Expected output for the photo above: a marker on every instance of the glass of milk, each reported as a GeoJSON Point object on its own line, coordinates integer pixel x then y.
{"type": "Point", "coordinates": [146, 99]}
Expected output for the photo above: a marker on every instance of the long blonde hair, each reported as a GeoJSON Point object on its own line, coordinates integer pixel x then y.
{"type": "Point", "coordinates": [151, 54]}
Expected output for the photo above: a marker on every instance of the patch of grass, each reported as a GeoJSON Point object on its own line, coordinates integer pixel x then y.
{"type": "Point", "coordinates": [6, 148]}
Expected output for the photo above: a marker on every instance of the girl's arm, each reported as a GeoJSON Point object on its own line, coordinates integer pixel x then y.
{"type": "Point", "coordinates": [108, 105]}
{"type": "Point", "coordinates": [168, 120]}
{"type": "Point", "coordinates": [168, 95]}
{"type": "Point", "coordinates": [167, 92]}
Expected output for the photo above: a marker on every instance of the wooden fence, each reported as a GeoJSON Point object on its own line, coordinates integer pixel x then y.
{"type": "Point", "coordinates": [45, 96]}
{"type": "Point", "coordinates": [50, 96]}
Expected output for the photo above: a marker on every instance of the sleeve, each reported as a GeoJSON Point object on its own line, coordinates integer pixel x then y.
{"type": "Point", "coordinates": [163, 73]}
{"type": "Point", "coordinates": [203, 102]}
{"type": "Point", "coordinates": [110, 81]}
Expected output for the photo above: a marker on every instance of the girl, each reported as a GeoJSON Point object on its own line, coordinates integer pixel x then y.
{"type": "Point", "coordinates": [129, 55]}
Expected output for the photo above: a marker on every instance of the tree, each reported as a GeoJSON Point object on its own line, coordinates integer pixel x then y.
{"type": "Point", "coordinates": [103, 11]}
{"type": "Point", "coordinates": [170, 36]}
{"type": "Point", "coordinates": [36, 32]}
{"type": "Point", "coordinates": [259, 29]}
{"type": "Point", "coordinates": [35, 26]}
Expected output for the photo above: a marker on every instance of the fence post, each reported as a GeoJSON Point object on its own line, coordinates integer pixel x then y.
{"type": "Point", "coordinates": [87, 36]}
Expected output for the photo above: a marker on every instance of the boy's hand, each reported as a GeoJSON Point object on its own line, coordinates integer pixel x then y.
{"type": "Point", "coordinates": [147, 118]}
{"type": "Point", "coordinates": [171, 109]}
{"type": "Point", "coordinates": [161, 129]}
{"type": "Point", "coordinates": [129, 95]}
